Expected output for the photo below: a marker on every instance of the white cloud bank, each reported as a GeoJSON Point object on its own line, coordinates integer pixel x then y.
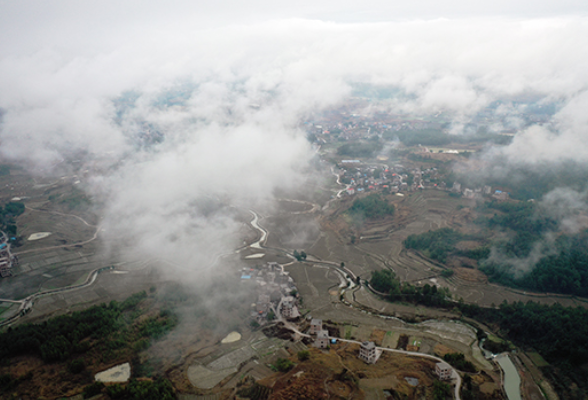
{"type": "Point", "coordinates": [62, 68]}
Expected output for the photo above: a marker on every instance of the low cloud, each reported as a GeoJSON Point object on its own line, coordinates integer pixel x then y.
{"type": "Point", "coordinates": [169, 115]}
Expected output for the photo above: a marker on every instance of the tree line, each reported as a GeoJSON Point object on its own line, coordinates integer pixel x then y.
{"type": "Point", "coordinates": [385, 281]}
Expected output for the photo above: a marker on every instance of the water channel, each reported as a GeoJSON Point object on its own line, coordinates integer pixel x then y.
{"type": "Point", "coordinates": [512, 380]}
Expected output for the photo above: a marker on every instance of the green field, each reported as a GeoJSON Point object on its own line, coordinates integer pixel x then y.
{"type": "Point", "coordinates": [348, 331]}
{"type": "Point", "coordinates": [537, 359]}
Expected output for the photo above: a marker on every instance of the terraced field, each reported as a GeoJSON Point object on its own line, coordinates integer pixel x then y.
{"type": "Point", "coordinates": [380, 246]}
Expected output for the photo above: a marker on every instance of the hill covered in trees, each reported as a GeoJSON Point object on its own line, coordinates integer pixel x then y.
{"type": "Point", "coordinates": [371, 207]}
{"type": "Point", "coordinates": [434, 244]}
{"type": "Point", "coordinates": [100, 334]}
{"type": "Point", "coordinates": [559, 263]}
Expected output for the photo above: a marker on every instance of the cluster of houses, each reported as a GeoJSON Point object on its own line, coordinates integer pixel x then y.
{"type": "Point", "coordinates": [362, 178]}
{"type": "Point", "coordinates": [479, 192]}
{"type": "Point", "coordinates": [346, 123]}
{"type": "Point", "coordinates": [368, 352]}
{"type": "Point", "coordinates": [357, 119]}
{"type": "Point", "coordinates": [7, 260]}
{"type": "Point", "coordinates": [275, 291]}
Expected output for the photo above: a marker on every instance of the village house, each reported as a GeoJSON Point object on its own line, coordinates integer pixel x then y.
{"type": "Point", "coordinates": [443, 370]}
{"type": "Point", "coordinates": [368, 352]}
{"type": "Point", "coordinates": [322, 339]}
{"type": "Point", "coordinates": [289, 308]}
{"type": "Point", "coordinates": [316, 325]}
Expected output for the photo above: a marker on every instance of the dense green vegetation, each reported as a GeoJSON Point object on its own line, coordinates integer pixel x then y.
{"type": "Point", "coordinates": [93, 389]}
{"type": "Point", "coordinates": [563, 267]}
{"type": "Point", "coordinates": [102, 332]}
{"type": "Point", "coordinates": [458, 361]}
{"type": "Point", "coordinates": [436, 137]}
{"type": "Point", "coordinates": [529, 182]}
{"type": "Point", "coordinates": [284, 365]}
{"type": "Point", "coordinates": [564, 271]}
{"type": "Point", "coordinates": [523, 220]}
{"type": "Point", "coordinates": [158, 389]}
{"type": "Point", "coordinates": [358, 149]}
{"type": "Point", "coordinates": [426, 137]}
{"type": "Point", "coordinates": [441, 390]}
{"type": "Point", "coordinates": [558, 333]}
{"type": "Point", "coordinates": [385, 281]}
{"type": "Point", "coordinates": [434, 244]}
{"type": "Point", "coordinates": [371, 207]}
{"type": "Point", "coordinates": [300, 255]}
{"type": "Point", "coordinates": [61, 337]}
{"type": "Point", "coordinates": [8, 213]}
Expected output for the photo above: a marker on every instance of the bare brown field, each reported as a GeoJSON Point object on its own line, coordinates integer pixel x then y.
{"type": "Point", "coordinates": [291, 231]}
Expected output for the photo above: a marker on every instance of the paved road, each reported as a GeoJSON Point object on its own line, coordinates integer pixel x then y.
{"type": "Point", "coordinates": [455, 375]}
{"type": "Point", "coordinates": [26, 304]}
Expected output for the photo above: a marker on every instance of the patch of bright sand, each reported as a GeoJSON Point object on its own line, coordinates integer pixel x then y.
{"type": "Point", "coordinates": [38, 235]}
{"type": "Point", "coordinates": [120, 373]}
{"type": "Point", "coordinates": [231, 337]}
{"type": "Point", "coordinates": [257, 255]}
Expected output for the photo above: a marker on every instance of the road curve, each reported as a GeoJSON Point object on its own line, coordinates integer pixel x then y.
{"type": "Point", "coordinates": [26, 304]}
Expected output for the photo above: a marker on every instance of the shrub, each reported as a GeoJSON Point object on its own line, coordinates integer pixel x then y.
{"type": "Point", "coordinates": [284, 365]}
{"type": "Point", "coordinates": [93, 389]}
{"type": "Point", "coordinates": [76, 366]}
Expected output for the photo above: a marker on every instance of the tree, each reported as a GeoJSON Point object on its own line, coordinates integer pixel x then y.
{"type": "Point", "coordinates": [76, 366]}
{"type": "Point", "coordinates": [300, 256]}
{"type": "Point", "coordinates": [441, 390]}
{"type": "Point", "coordinates": [284, 365]}
{"type": "Point", "coordinates": [93, 389]}
{"type": "Point", "coordinates": [447, 273]}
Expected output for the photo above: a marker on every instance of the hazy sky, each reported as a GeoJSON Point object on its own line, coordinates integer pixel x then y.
{"type": "Point", "coordinates": [28, 25]}
{"type": "Point", "coordinates": [63, 62]}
